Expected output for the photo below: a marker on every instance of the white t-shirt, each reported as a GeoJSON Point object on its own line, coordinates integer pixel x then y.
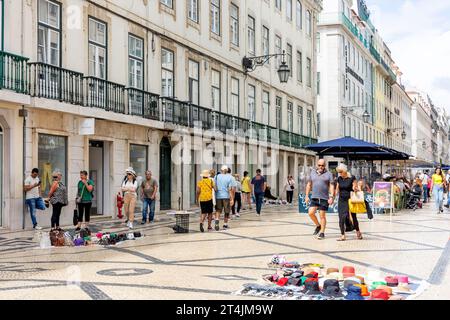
{"type": "Point", "coordinates": [33, 193]}
{"type": "Point", "coordinates": [130, 184]}
{"type": "Point", "coordinates": [425, 179]}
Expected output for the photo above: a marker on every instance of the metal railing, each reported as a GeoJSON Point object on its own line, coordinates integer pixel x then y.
{"type": "Point", "coordinates": [174, 111]}
{"type": "Point", "coordinates": [104, 94]}
{"type": "Point", "coordinates": [13, 72]}
{"type": "Point", "coordinates": [142, 103]}
{"type": "Point", "coordinates": [52, 82]}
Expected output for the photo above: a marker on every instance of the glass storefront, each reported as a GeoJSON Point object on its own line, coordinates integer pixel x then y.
{"type": "Point", "coordinates": [139, 162]}
{"type": "Point", "coordinates": [52, 156]}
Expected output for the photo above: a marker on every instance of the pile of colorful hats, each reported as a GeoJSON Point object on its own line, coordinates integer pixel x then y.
{"type": "Point", "coordinates": [85, 238]}
{"type": "Point", "coordinates": [313, 280]}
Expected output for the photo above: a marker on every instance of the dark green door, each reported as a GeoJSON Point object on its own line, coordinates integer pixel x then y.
{"type": "Point", "coordinates": [165, 161]}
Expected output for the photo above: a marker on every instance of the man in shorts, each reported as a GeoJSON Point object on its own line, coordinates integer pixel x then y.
{"type": "Point", "coordinates": [205, 189]}
{"type": "Point", "coordinates": [321, 183]}
{"type": "Point", "coordinates": [225, 186]}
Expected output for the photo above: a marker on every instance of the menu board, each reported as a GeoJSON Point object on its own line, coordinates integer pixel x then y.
{"type": "Point", "coordinates": [383, 195]}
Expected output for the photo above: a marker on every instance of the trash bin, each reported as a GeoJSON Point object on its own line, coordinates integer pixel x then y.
{"type": "Point", "coordinates": [181, 221]}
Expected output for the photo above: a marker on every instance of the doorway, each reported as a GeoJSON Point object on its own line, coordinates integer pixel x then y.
{"type": "Point", "coordinates": [165, 173]}
{"type": "Point", "coordinates": [97, 175]}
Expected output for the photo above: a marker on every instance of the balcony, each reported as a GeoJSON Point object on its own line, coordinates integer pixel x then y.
{"type": "Point", "coordinates": [52, 82]}
{"type": "Point", "coordinates": [200, 117]}
{"type": "Point", "coordinates": [174, 111]}
{"type": "Point", "coordinates": [375, 53]}
{"type": "Point", "coordinates": [13, 72]}
{"type": "Point", "coordinates": [350, 26]}
{"type": "Point", "coordinates": [104, 94]}
{"type": "Point", "coordinates": [142, 103]}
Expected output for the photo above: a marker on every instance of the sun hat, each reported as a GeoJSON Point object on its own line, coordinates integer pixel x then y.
{"type": "Point", "coordinates": [375, 284]}
{"type": "Point", "coordinates": [364, 290]}
{"type": "Point", "coordinates": [331, 288]}
{"type": "Point", "coordinates": [313, 275]}
{"type": "Point", "coordinates": [354, 293]}
{"type": "Point", "coordinates": [282, 281]}
{"type": "Point", "coordinates": [224, 168]}
{"type": "Point", "coordinates": [297, 274]}
{"type": "Point", "coordinates": [331, 270]}
{"type": "Point", "coordinates": [379, 294]}
{"type": "Point", "coordinates": [311, 287]}
{"type": "Point", "coordinates": [348, 282]}
{"type": "Point", "coordinates": [336, 275]}
{"type": "Point", "coordinates": [205, 174]}
{"type": "Point", "coordinates": [386, 288]}
{"type": "Point", "coordinates": [402, 278]}
{"type": "Point", "coordinates": [348, 271]}
{"type": "Point", "coordinates": [303, 279]}
{"type": "Point", "coordinates": [294, 281]}
{"type": "Point", "coordinates": [361, 279]}
{"type": "Point", "coordinates": [391, 281]}
{"type": "Point", "coordinates": [402, 288]}
{"type": "Point", "coordinates": [130, 170]}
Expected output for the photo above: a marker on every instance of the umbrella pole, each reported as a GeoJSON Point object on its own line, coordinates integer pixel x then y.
{"type": "Point", "coordinates": [381, 167]}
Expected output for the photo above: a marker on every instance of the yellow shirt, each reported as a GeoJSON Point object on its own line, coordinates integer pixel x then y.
{"type": "Point", "coordinates": [246, 185]}
{"type": "Point", "coordinates": [206, 186]}
{"type": "Point", "coordinates": [437, 179]}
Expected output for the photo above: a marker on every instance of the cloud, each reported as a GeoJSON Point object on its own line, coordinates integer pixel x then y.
{"type": "Point", "coordinates": [418, 34]}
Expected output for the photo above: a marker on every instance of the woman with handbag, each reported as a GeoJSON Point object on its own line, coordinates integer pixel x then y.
{"type": "Point", "coordinates": [84, 199]}
{"type": "Point", "coordinates": [346, 183]}
{"type": "Point", "coordinates": [129, 187]}
{"type": "Point", "coordinates": [289, 187]}
{"type": "Point", "coordinates": [58, 198]}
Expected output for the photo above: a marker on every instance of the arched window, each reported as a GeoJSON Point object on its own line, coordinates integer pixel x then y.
{"type": "Point", "coordinates": [308, 23]}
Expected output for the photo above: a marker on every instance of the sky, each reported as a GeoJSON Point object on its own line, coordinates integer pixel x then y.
{"type": "Point", "coordinates": [418, 35]}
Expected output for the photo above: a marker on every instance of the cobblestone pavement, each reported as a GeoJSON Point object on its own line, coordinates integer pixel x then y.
{"type": "Point", "coordinates": [212, 265]}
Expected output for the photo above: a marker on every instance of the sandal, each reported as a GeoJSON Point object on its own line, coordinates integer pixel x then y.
{"type": "Point", "coordinates": [341, 239]}
{"type": "Point", "coordinates": [359, 236]}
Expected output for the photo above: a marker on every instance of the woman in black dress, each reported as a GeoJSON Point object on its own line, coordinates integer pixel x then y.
{"type": "Point", "coordinates": [344, 186]}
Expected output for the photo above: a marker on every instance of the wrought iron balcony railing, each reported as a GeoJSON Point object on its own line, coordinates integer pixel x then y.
{"type": "Point", "coordinates": [13, 72]}
{"type": "Point", "coordinates": [142, 103]}
{"type": "Point", "coordinates": [104, 94]}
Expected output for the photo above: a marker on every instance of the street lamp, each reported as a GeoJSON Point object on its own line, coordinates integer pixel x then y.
{"type": "Point", "coordinates": [365, 115]}
{"type": "Point", "coordinates": [403, 134]}
{"type": "Point", "coordinates": [250, 63]}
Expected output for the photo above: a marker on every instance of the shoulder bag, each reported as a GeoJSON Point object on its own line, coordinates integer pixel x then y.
{"type": "Point", "coordinates": [79, 199]}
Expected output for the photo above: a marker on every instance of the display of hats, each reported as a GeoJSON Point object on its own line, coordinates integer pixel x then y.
{"type": "Point", "coordinates": [331, 288]}
{"type": "Point", "coordinates": [348, 271]}
{"type": "Point", "coordinates": [354, 293]}
{"type": "Point", "coordinates": [297, 274]}
{"type": "Point", "coordinates": [348, 282]}
{"type": "Point", "coordinates": [99, 235]}
{"type": "Point", "coordinates": [78, 242]}
{"type": "Point", "coordinates": [391, 281]}
{"type": "Point", "coordinates": [332, 270]}
{"type": "Point", "coordinates": [361, 279]}
{"type": "Point", "coordinates": [364, 290]}
{"type": "Point", "coordinates": [282, 281]}
{"type": "Point", "coordinates": [379, 294]}
{"type": "Point", "coordinates": [303, 279]}
{"type": "Point", "coordinates": [294, 281]}
{"type": "Point", "coordinates": [375, 284]}
{"type": "Point", "coordinates": [287, 273]}
{"type": "Point", "coordinates": [336, 275]}
{"type": "Point", "coordinates": [312, 275]}
{"type": "Point", "coordinates": [311, 287]}
{"type": "Point", "coordinates": [137, 234]}
{"type": "Point", "coordinates": [130, 236]}
{"type": "Point", "coordinates": [402, 278]}
{"type": "Point", "coordinates": [307, 270]}
{"type": "Point", "coordinates": [403, 288]}
{"type": "Point", "coordinates": [386, 288]}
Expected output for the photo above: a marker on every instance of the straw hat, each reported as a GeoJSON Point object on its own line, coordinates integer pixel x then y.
{"type": "Point", "coordinates": [130, 170]}
{"type": "Point", "coordinates": [205, 174]}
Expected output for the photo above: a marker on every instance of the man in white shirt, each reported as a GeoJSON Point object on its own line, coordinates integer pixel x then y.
{"type": "Point", "coordinates": [33, 196]}
{"type": "Point", "coordinates": [425, 178]}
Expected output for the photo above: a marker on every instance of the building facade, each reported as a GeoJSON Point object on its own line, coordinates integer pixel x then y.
{"type": "Point", "coordinates": [107, 84]}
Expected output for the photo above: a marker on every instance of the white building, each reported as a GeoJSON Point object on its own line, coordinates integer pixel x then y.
{"type": "Point", "coordinates": [144, 70]}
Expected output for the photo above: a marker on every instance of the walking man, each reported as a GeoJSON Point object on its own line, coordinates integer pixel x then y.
{"type": "Point", "coordinates": [321, 184]}
{"type": "Point", "coordinates": [33, 196]}
{"type": "Point", "coordinates": [225, 187]}
{"type": "Point", "coordinates": [149, 188]}
{"type": "Point", "coordinates": [259, 186]}
{"type": "Point", "coordinates": [424, 177]}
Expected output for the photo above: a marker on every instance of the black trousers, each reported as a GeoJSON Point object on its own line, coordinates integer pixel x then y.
{"type": "Point", "coordinates": [56, 213]}
{"type": "Point", "coordinates": [86, 209]}
{"type": "Point", "coordinates": [345, 223]}
{"type": "Point", "coordinates": [289, 196]}
{"type": "Point", "coordinates": [238, 200]}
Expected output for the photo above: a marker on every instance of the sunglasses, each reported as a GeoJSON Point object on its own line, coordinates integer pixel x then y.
{"type": "Point", "coordinates": [321, 165]}
{"type": "Point", "coordinates": [55, 177]}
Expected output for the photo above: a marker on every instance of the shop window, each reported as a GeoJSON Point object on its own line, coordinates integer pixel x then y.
{"type": "Point", "coordinates": [52, 156]}
{"type": "Point", "coordinates": [139, 159]}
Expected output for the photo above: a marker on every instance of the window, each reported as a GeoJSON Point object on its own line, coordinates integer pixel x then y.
{"type": "Point", "coordinates": [265, 107]}
{"type": "Point", "coordinates": [309, 123]}
{"type": "Point", "coordinates": [318, 124]}
{"type": "Point", "coordinates": [289, 58]}
{"type": "Point", "coordinates": [194, 95]}
{"type": "Point", "coordinates": [234, 97]}
{"type": "Point", "coordinates": [251, 35]}
{"type": "Point", "coordinates": [278, 102]}
{"type": "Point", "coordinates": [278, 50]}
{"type": "Point", "coordinates": [278, 4]}
{"type": "Point", "coordinates": [234, 24]}
{"type": "Point", "coordinates": [167, 3]}
{"type": "Point", "coordinates": [318, 83]}
{"type": "Point", "coordinates": [193, 10]}
{"type": "Point", "coordinates": [97, 48]}
{"type": "Point", "coordinates": [308, 72]}
{"type": "Point", "coordinates": [52, 156]}
{"type": "Point", "coordinates": [308, 23]}
{"type": "Point", "coordinates": [265, 41]}
{"type": "Point", "coordinates": [135, 62]}
{"type": "Point", "coordinates": [298, 11]}
{"type": "Point", "coordinates": [299, 67]}
{"type": "Point", "coordinates": [215, 90]}
{"type": "Point", "coordinates": [318, 41]}
{"type": "Point", "coordinates": [290, 116]}
{"type": "Point", "coordinates": [289, 10]}
{"type": "Point", "coordinates": [167, 73]}
{"type": "Point", "coordinates": [49, 32]}
{"type": "Point", "coordinates": [139, 158]}
{"type": "Point", "coordinates": [251, 103]}
{"type": "Point", "coordinates": [215, 16]}
{"type": "Point", "coordinates": [300, 120]}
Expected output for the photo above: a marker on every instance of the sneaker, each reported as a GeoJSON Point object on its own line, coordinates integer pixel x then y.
{"type": "Point", "coordinates": [217, 225]}
{"type": "Point", "coordinates": [321, 236]}
{"type": "Point", "coordinates": [36, 227]}
{"type": "Point", "coordinates": [153, 221]}
{"type": "Point", "coordinates": [201, 228]}
{"type": "Point", "coordinates": [143, 222]}
{"type": "Point", "coordinates": [238, 215]}
{"type": "Point", "coordinates": [131, 225]}
{"type": "Point", "coordinates": [225, 227]}
{"type": "Point", "coordinates": [316, 232]}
